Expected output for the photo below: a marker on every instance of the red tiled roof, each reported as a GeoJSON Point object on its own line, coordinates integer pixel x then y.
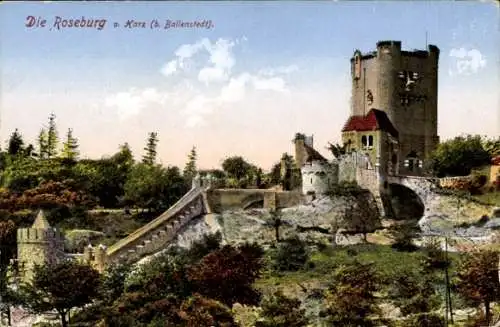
{"type": "Point", "coordinates": [374, 120]}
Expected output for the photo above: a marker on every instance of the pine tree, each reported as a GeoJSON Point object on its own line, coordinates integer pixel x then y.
{"type": "Point", "coordinates": [70, 146]}
{"type": "Point", "coordinates": [52, 138]}
{"type": "Point", "coordinates": [16, 143]}
{"type": "Point", "coordinates": [190, 169]}
{"type": "Point", "coordinates": [42, 144]}
{"type": "Point", "coordinates": [150, 157]}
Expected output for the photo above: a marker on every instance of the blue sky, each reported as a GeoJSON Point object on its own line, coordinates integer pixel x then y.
{"type": "Point", "coordinates": [263, 72]}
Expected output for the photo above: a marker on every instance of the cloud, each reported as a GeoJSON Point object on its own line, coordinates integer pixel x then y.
{"type": "Point", "coordinates": [132, 102]}
{"type": "Point", "coordinates": [211, 87]}
{"type": "Point", "coordinates": [218, 66]}
{"type": "Point", "coordinates": [467, 62]}
{"type": "Point", "coordinates": [279, 70]}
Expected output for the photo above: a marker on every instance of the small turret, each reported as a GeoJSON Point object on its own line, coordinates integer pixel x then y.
{"type": "Point", "coordinates": [38, 245]}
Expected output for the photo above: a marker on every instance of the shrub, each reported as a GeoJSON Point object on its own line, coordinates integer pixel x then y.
{"type": "Point", "coordinates": [424, 320]}
{"type": "Point", "coordinates": [291, 255]}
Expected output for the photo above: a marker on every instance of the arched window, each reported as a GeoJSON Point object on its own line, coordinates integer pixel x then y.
{"type": "Point", "coordinates": [363, 141]}
{"type": "Point", "coordinates": [370, 141]}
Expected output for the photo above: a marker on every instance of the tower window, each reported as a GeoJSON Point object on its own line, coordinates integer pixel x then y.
{"type": "Point", "coordinates": [363, 141]}
{"type": "Point", "coordinates": [370, 141]}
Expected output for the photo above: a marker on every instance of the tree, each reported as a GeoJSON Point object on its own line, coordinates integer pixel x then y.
{"type": "Point", "coordinates": [336, 149]}
{"type": "Point", "coordinates": [350, 299]}
{"type": "Point", "coordinates": [361, 216]}
{"type": "Point", "coordinates": [492, 146]}
{"type": "Point", "coordinates": [458, 156]}
{"type": "Point", "coordinates": [276, 223]}
{"type": "Point", "coordinates": [236, 167]}
{"type": "Point", "coordinates": [198, 311]}
{"type": "Point", "coordinates": [281, 311]}
{"type": "Point", "coordinates": [291, 255]}
{"type": "Point", "coordinates": [478, 279]}
{"type": "Point", "coordinates": [154, 187]}
{"type": "Point", "coordinates": [60, 287]}
{"type": "Point", "coordinates": [70, 146]}
{"type": "Point", "coordinates": [52, 137]}
{"type": "Point", "coordinates": [7, 251]}
{"type": "Point", "coordinates": [414, 293]}
{"type": "Point", "coordinates": [42, 144]}
{"type": "Point", "coordinates": [16, 144]}
{"type": "Point", "coordinates": [403, 234]}
{"type": "Point", "coordinates": [190, 169]}
{"type": "Point", "coordinates": [228, 274]}
{"type": "Point", "coordinates": [149, 157]}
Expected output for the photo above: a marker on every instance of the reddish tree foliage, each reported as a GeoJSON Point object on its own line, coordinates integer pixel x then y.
{"type": "Point", "coordinates": [198, 311]}
{"type": "Point", "coordinates": [227, 274]}
{"type": "Point", "coordinates": [47, 195]}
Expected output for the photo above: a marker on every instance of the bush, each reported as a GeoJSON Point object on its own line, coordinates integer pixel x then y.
{"type": "Point", "coordinates": [291, 255]}
{"type": "Point", "coordinates": [424, 320]}
{"type": "Point", "coordinates": [345, 189]}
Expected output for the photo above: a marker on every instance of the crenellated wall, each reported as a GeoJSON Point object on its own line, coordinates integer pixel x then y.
{"type": "Point", "coordinates": [37, 246]}
{"type": "Point", "coordinates": [156, 235]}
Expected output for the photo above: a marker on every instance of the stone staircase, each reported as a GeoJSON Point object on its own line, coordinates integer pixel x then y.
{"type": "Point", "coordinates": [157, 234]}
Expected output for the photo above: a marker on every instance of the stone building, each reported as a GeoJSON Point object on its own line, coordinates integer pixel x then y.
{"type": "Point", "coordinates": [38, 245]}
{"type": "Point", "coordinates": [318, 174]}
{"type": "Point", "coordinates": [374, 136]}
{"type": "Point", "coordinates": [404, 85]}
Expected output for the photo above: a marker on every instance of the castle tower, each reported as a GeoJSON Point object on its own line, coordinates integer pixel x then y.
{"type": "Point", "coordinates": [38, 245]}
{"type": "Point", "coordinates": [403, 84]}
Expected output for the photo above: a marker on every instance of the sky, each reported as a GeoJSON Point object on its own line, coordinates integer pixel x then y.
{"type": "Point", "coordinates": [242, 80]}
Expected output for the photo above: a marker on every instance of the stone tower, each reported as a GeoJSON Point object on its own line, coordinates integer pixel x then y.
{"type": "Point", "coordinates": [403, 84]}
{"type": "Point", "coordinates": [38, 245]}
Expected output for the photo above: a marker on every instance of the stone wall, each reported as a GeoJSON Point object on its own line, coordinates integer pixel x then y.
{"type": "Point", "coordinates": [37, 247]}
{"type": "Point", "coordinates": [233, 199]}
{"type": "Point", "coordinates": [318, 177]}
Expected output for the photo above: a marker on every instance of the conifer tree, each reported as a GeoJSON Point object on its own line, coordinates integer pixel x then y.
{"type": "Point", "coordinates": [190, 169]}
{"type": "Point", "coordinates": [70, 146]}
{"type": "Point", "coordinates": [42, 143]}
{"type": "Point", "coordinates": [52, 137]}
{"type": "Point", "coordinates": [16, 143]}
{"type": "Point", "coordinates": [149, 157]}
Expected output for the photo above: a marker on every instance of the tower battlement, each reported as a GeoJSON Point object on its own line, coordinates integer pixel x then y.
{"type": "Point", "coordinates": [38, 245]}
{"type": "Point", "coordinates": [35, 235]}
{"type": "Point", "coordinates": [395, 48]}
{"type": "Point", "coordinates": [95, 257]}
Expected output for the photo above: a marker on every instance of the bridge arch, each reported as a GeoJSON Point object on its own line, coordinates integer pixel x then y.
{"type": "Point", "coordinates": [410, 194]}
{"type": "Point", "coordinates": [255, 200]}
{"type": "Point", "coordinates": [405, 203]}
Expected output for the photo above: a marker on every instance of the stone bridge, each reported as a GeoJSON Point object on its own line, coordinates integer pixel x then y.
{"type": "Point", "coordinates": [231, 199]}
{"type": "Point", "coordinates": [155, 236]}
{"type": "Point", "coordinates": [422, 186]}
